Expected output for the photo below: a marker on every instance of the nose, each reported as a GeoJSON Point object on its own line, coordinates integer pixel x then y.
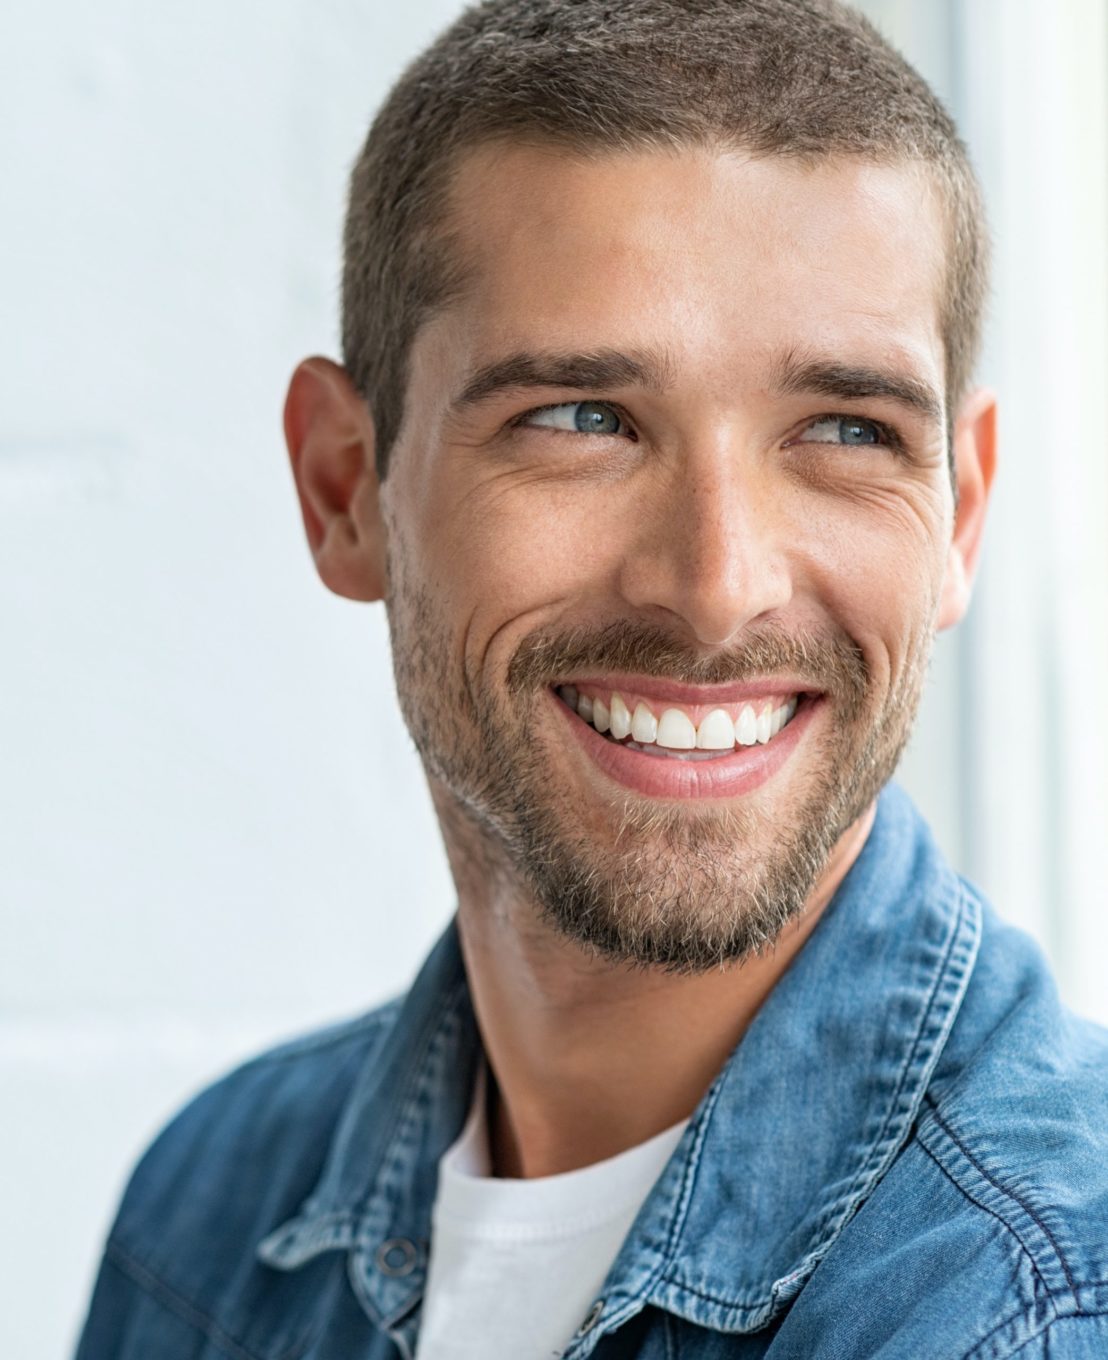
{"type": "Point", "coordinates": [711, 544]}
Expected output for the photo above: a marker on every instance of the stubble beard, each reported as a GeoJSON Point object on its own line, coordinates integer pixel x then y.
{"type": "Point", "coordinates": [677, 887]}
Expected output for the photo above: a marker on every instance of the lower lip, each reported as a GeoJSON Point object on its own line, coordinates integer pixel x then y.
{"type": "Point", "coordinates": [730, 776]}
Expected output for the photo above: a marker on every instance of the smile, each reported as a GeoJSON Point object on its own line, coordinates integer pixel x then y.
{"type": "Point", "coordinates": [653, 736]}
{"type": "Point", "coordinates": [683, 732]}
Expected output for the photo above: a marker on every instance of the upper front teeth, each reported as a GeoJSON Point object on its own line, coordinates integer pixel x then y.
{"type": "Point", "coordinates": [674, 729]}
{"type": "Point", "coordinates": [644, 725]}
{"type": "Point", "coordinates": [716, 732]}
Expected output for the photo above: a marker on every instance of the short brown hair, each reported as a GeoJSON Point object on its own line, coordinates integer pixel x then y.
{"type": "Point", "coordinates": [801, 78]}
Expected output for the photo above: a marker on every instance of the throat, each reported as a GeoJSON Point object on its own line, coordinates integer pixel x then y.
{"type": "Point", "coordinates": [587, 1059]}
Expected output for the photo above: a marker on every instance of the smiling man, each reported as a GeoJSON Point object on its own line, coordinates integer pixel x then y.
{"type": "Point", "coordinates": [656, 436]}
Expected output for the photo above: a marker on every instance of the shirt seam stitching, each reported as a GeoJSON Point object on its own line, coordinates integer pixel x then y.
{"type": "Point", "coordinates": [167, 1297]}
{"type": "Point", "coordinates": [405, 1108]}
{"type": "Point", "coordinates": [692, 1174]}
{"type": "Point", "coordinates": [1047, 1291]}
{"type": "Point", "coordinates": [1024, 1312]}
{"type": "Point", "coordinates": [689, 1174]}
{"type": "Point", "coordinates": [861, 1181]}
{"type": "Point", "coordinates": [1036, 1336]}
{"type": "Point", "coordinates": [1008, 1194]}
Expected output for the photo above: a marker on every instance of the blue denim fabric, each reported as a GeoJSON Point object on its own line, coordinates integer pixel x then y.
{"type": "Point", "coordinates": [905, 1157]}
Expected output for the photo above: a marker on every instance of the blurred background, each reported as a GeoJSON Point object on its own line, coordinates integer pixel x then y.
{"type": "Point", "coordinates": [213, 829]}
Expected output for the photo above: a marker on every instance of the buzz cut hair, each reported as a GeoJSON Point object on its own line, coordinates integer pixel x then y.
{"type": "Point", "coordinates": [803, 79]}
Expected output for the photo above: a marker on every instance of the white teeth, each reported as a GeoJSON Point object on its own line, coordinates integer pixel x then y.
{"type": "Point", "coordinates": [782, 715]}
{"type": "Point", "coordinates": [675, 730]}
{"type": "Point", "coordinates": [644, 725]}
{"type": "Point", "coordinates": [620, 719]}
{"type": "Point", "coordinates": [716, 732]}
{"type": "Point", "coordinates": [664, 753]}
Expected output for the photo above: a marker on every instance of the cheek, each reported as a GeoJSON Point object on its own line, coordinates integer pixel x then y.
{"type": "Point", "coordinates": [872, 562]}
{"type": "Point", "coordinates": [507, 556]}
{"type": "Point", "coordinates": [519, 550]}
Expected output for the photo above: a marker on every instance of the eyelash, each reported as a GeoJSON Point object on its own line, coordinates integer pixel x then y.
{"type": "Point", "coordinates": [888, 435]}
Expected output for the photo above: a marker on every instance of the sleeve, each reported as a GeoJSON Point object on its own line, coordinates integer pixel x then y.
{"type": "Point", "coordinates": [128, 1321]}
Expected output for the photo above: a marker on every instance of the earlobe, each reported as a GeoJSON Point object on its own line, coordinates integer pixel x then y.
{"type": "Point", "coordinates": [974, 468]}
{"type": "Point", "coordinates": [329, 435]}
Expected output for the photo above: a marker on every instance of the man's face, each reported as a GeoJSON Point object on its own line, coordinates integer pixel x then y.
{"type": "Point", "coordinates": [680, 441]}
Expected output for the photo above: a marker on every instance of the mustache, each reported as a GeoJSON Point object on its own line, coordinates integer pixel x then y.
{"type": "Point", "coordinates": [833, 664]}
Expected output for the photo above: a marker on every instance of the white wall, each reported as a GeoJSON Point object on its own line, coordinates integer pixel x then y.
{"type": "Point", "coordinates": [1011, 758]}
{"type": "Point", "coordinates": [213, 830]}
{"type": "Point", "coordinates": [212, 826]}
{"type": "Point", "coordinates": [1034, 88]}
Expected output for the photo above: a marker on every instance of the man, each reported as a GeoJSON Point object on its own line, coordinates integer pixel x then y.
{"type": "Point", "coordinates": [656, 435]}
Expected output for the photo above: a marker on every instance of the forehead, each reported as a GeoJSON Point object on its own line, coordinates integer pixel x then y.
{"type": "Point", "coordinates": [715, 255]}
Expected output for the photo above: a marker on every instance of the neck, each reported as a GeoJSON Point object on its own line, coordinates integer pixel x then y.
{"type": "Point", "coordinates": [589, 1057]}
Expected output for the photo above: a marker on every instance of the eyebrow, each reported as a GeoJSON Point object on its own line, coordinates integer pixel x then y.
{"type": "Point", "coordinates": [597, 370]}
{"type": "Point", "coordinates": [604, 369]}
{"type": "Point", "coordinates": [796, 374]}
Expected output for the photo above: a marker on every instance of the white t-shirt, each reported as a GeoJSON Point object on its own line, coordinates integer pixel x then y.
{"type": "Point", "coordinates": [516, 1265]}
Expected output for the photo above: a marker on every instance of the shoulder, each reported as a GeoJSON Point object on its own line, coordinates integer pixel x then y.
{"type": "Point", "coordinates": [180, 1262]}
{"type": "Point", "coordinates": [1017, 1110]}
{"type": "Point", "coordinates": [244, 1153]}
{"type": "Point", "coordinates": [1016, 1120]}
{"type": "Point", "coordinates": [988, 1235]}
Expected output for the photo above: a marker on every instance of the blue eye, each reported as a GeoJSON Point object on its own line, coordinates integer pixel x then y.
{"type": "Point", "coordinates": [580, 417]}
{"type": "Point", "coordinates": [844, 430]}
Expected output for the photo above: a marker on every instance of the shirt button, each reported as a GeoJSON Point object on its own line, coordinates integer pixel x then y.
{"type": "Point", "coordinates": [592, 1318]}
{"type": "Point", "coordinates": [397, 1256]}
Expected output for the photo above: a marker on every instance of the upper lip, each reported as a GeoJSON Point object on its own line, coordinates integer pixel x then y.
{"type": "Point", "coordinates": [673, 691]}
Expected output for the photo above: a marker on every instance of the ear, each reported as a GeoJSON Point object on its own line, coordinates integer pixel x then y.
{"type": "Point", "coordinates": [974, 465]}
{"type": "Point", "coordinates": [330, 438]}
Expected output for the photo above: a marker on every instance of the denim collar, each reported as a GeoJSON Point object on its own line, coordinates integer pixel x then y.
{"type": "Point", "coordinates": [794, 1133]}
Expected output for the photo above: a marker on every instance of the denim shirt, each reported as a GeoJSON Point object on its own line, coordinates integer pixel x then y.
{"type": "Point", "coordinates": [905, 1157]}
